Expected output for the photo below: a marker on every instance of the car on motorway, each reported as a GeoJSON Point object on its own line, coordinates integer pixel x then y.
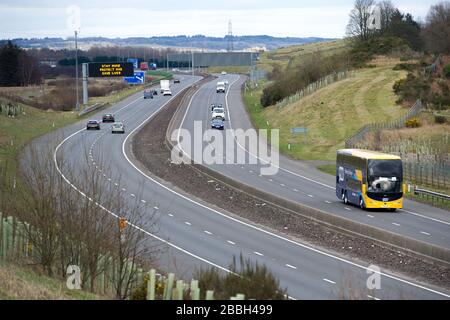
{"type": "Point", "coordinates": [148, 94]}
{"type": "Point", "coordinates": [93, 124]}
{"type": "Point", "coordinates": [218, 112]}
{"type": "Point", "coordinates": [176, 81]}
{"type": "Point", "coordinates": [118, 127]}
{"type": "Point", "coordinates": [224, 73]}
{"type": "Point", "coordinates": [155, 92]}
{"type": "Point", "coordinates": [109, 117]}
{"type": "Point", "coordinates": [167, 92]}
{"type": "Point", "coordinates": [220, 87]}
{"type": "Point", "coordinates": [226, 82]}
{"type": "Point", "coordinates": [215, 105]}
{"type": "Point", "coordinates": [217, 123]}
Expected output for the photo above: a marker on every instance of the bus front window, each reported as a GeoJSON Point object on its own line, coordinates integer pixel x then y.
{"type": "Point", "coordinates": [385, 176]}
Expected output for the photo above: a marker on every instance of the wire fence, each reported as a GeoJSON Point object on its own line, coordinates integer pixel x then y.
{"type": "Point", "coordinates": [357, 140]}
{"type": "Point", "coordinates": [313, 87]}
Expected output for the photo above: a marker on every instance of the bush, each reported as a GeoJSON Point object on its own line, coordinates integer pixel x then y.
{"type": "Point", "coordinates": [447, 70]}
{"type": "Point", "coordinates": [412, 123]}
{"type": "Point", "coordinates": [440, 119]}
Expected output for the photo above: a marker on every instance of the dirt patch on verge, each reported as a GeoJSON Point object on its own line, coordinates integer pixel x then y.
{"type": "Point", "coordinates": [151, 149]}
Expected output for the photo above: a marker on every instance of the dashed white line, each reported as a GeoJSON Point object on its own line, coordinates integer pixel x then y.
{"type": "Point", "coordinates": [348, 209]}
{"type": "Point", "coordinates": [188, 223]}
{"type": "Point", "coordinates": [116, 184]}
{"type": "Point", "coordinates": [231, 242]}
{"type": "Point", "coordinates": [291, 266]}
{"type": "Point", "coordinates": [143, 201]}
{"type": "Point", "coordinates": [133, 195]}
{"type": "Point", "coordinates": [295, 190]}
{"type": "Point", "coordinates": [326, 201]}
{"type": "Point", "coordinates": [396, 224]}
{"type": "Point", "coordinates": [329, 281]}
{"type": "Point", "coordinates": [207, 232]}
{"type": "Point", "coordinates": [156, 208]}
{"type": "Point", "coordinates": [310, 195]}
{"type": "Point", "coordinates": [282, 184]}
{"type": "Point", "coordinates": [370, 216]}
{"type": "Point", "coordinates": [123, 189]}
{"type": "Point", "coordinates": [258, 253]}
{"type": "Point", "coordinates": [170, 215]}
{"type": "Point", "coordinates": [425, 233]}
{"type": "Point", "coordinates": [371, 297]}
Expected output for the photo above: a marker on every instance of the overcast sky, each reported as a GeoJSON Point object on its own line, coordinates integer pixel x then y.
{"type": "Point", "coordinates": [126, 18]}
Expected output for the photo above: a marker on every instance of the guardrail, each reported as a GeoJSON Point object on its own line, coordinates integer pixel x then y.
{"type": "Point", "coordinates": [442, 196]}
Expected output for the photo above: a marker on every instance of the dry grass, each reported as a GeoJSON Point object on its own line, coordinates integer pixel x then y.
{"type": "Point", "coordinates": [337, 111]}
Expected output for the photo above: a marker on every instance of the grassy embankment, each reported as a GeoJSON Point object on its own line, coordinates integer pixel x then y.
{"type": "Point", "coordinates": [333, 113]}
{"type": "Point", "coordinates": [17, 282]}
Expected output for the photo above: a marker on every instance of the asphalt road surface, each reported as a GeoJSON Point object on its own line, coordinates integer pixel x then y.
{"type": "Point", "coordinates": [199, 236]}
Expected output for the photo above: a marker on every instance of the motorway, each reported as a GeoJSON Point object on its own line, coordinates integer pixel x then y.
{"type": "Point", "coordinates": [200, 236]}
{"type": "Point", "coordinates": [301, 182]}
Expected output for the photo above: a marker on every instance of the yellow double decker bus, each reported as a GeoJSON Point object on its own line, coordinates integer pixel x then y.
{"type": "Point", "coordinates": [369, 179]}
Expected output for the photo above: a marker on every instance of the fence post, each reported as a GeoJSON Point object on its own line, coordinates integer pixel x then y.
{"type": "Point", "coordinates": [151, 285]}
{"type": "Point", "coordinates": [195, 291]}
{"type": "Point", "coordinates": [209, 295]}
{"type": "Point", "coordinates": [168, 287]}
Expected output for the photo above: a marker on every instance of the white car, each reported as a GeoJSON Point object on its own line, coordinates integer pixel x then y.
{"type": "Point", "coordinates": [224, 73]}
{"type": "Point", "coordinates": [167, 92]}
{"type": "Point", "coordinates": [118, 127]}
{"type": "Point", "coordinates": [218, 113]}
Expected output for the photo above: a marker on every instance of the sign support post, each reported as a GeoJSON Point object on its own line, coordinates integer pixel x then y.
{"type": "Point", "coordinates": [85, 83]}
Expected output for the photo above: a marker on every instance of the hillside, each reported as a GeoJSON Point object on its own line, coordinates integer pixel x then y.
{"type": "Point", "coordinates": [335, 112]}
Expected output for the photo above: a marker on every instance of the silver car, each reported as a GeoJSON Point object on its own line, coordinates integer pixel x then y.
{"type": "Point", "coordinates": [118, 127]}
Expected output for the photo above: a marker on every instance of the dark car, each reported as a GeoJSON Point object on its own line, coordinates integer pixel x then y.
{"type": "Point", "coordinates": [148, 94]}
{"type": "Point", "coordinates": [155, 92]}
{"type": "Point", "coordinates": [217, 123]}
{"type": "Point", "coordinates": [176, 81]}
{"type": "Point", "coordinates": [93, 124]}
{"type": "Point", "coordinates": [108, 118]}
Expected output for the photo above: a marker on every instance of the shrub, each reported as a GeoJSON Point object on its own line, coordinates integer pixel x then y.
{"type": "Point", "coordinates": [440, 119]}
{"type": "Point", "coordinates": [412, 123]}
{"type": "Point", "coordinates": [447, 70]}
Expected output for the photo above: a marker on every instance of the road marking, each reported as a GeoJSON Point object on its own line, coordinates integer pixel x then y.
{"type": "Point", "coordinates": [133, 195]}
{"type": "Point", "coordinates": [123, 189]}
{"type": "Point", "coordinates": [258, 253]}
{"type": "Point", "coordinates": [291, 266]}
{"type": "Point", "coordinates": [245, 223]}
{"type": "Point", "coordinates": [231, 242]}
{"type": "Point", "coordinates": [116, 184]}
{"type": "Point", "coordinates": [170, 215]}
{"type": "Point", "coordinates": [425, 217]}
{"type": "Point", "coordinates": [326, 201]}
{"type": "Point", "coordinates": [156, 208]}
{"type": "Point", "coordinates": [374, 298]}
{"type": "Point", "coordinates": [207, 232]}
{"type": "Point", "coordinates": [143, 201]}
{"type": "Point", "coordinates": [109, 179]}
{"type": "Point", "coordinates": [270, 180]}
{"type": "Point", "coordinates": [425, 233]}
{"type": "Point", "coordinates": [370, 216]}
{"type": "Point", "coordinates": [188, 223]}
{"type": "Point", "coordinates": [327, 280]}
{"type": "Point", "coordinates": [396, 224]}
{"type": "Point", "coordinates": [295, 190]}
{"type": "Point", "coordinates": [282, 184]}
{"type": "Point", "coordinates": [310, 195]}
{"type": "Point", "coordinates": [348, 209]}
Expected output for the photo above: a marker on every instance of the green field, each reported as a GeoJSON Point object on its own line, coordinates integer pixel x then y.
{"type": "Point", "coordinates": [294, 54]}
{"type": "Point", "coordinates": [333, 113]}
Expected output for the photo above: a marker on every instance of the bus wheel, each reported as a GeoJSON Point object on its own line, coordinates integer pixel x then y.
{"type": "Point", "coordinates": [361, 204]}
{"type": "Point", "coordinates": [345, 197]}
{"type": "Point", "coordinates": [393, 210]}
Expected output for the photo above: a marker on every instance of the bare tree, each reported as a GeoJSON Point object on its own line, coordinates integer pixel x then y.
{"type": "Point", "coordinates": [359, 23]}
{"type": "Point", "coordinates": [387, 11]}
{"type": "Point", "coordinates": [436, 32]}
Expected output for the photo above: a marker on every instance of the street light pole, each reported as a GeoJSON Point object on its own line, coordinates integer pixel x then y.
{"type": "Point", "coordinates": [76, 70]}
{"type": "Point", "coordinates": [193, 69]}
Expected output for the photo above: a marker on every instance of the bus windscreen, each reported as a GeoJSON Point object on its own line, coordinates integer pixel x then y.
{"type": "Point", "coordinates": [385, 175]}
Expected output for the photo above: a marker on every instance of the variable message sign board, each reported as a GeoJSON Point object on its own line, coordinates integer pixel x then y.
{"type": "Point", "coordinates": [111, 69]}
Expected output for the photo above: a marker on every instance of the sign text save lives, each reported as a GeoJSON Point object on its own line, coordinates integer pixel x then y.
{"type": "Point", "coordinates": [111, 69]}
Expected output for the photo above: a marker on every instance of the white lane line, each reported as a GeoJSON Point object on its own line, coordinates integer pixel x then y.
{"type": "Point", "coordinates": [295, 190]}
{"type": "Point", "coordinates": [109, 179]}
{"type": "Point", "coordinates": [370, 216]}
{"type": "Point", "coordinates": [329, 281]}
{"type": "Point", "coordinates": [270, 180]}
{"type": "Point", "coordinates": [326, 201]}
{"type": "Point", "coordinates": [231, 242]}
{"type": "Point", "coordinates": [143, 201]}
{"type": "Point", "coordinates": [116, 184]}
{"type": "Point", "coordinates": [310, 195]}
{"type": "Point", "coordinates": [425, 217]}
{"type": "Point", "coordinates": [348, 209]}
{"type": "Point", "coordinates": [133, 195]}
{"type": "Point", "coordinates": [123, 189]}
{"type": "Point", "coordinates": [282, 184]}
{"type": "Point", "coordinates": [170, 215]}
{"type": "Point", "coordinates": [396, 224]}
{"type": "Point", "coordinates": [425, 233]}
{"type": "Point", "coordinates": [291, 266]}
{"type": "Point", "coordinates": [258, 253]}
{"type": "Point", "coordinates": [207, 232]}
{"type": "Point", "coordinates": [188, 223]}
{"type": "Point", "coordinates": [156, 208]}
{"type": "Point", "coordinates": [371, 297]}
{"type": "Point", "coordinates": [251, 225]}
